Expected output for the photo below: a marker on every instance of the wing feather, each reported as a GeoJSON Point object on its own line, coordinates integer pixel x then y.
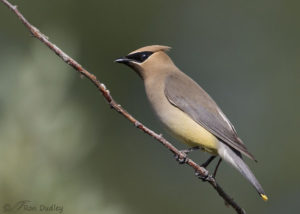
{"type": "Point", "coordinates": [187, 95]}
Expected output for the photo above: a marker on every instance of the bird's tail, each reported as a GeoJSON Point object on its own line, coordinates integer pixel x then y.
{"type": "Point", "coordinates": [231, 157]}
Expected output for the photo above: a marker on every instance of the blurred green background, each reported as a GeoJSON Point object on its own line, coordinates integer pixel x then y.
{"type": "Point", "coordinates": [60, 143]}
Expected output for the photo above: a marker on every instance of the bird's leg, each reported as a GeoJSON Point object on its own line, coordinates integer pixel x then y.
{"type": "Point", "coordinates": [216, 169]}
{"type": "Point", "coordinates": [186, 151]}
{"type": "Point", "coordinates": [191, 149]}
{"type": "Point", "coordinates": [206, 163]}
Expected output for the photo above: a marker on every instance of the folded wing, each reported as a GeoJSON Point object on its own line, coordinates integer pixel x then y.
{"type": "Point", "coordinates": [188, 96]}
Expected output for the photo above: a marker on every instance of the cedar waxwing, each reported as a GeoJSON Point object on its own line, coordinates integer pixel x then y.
{"type": "Point", "coordinates": [187, 111]}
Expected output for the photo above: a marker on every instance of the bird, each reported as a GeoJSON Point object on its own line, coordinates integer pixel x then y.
{"type": "Point", "coordinates": [187, 111]}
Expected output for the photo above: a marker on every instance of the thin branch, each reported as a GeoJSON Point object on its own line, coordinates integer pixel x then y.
{"type": "Point", "coordinates": [199, 171]}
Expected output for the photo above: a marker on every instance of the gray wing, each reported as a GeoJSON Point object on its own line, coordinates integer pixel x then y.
{"type": "Point", "coordinates": [188, 96]}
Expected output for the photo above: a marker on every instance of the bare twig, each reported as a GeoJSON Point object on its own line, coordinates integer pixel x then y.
{"type": "Point", "coordinates": [199, 171]}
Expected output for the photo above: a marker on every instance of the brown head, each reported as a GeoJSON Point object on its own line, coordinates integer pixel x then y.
{"type": "Point", "coordinates": [148, 60]}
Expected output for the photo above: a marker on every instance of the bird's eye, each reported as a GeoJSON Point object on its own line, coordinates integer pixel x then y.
{"type": "Point", "coordinates": [143, 57]}
{"type": "Point", "coordinates": [140, 56]}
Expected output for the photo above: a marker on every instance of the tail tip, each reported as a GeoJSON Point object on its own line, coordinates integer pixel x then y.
{"type": "Point", "coordinates": [264, 197]}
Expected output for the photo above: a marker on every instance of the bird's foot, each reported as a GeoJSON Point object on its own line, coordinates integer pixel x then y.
{"type": "Point", "coordinates": [204, 177]}
{"type": "Point", "coordinates": [181, 160]}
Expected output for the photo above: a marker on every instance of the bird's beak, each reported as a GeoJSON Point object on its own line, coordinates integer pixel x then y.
{"type": "Point", "coordinates": [123, 60]}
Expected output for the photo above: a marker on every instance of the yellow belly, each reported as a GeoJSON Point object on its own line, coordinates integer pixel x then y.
{"type": "Point", "coordinates": [177, 122]}
{"type": "Point", "coordinates": [187, 130]}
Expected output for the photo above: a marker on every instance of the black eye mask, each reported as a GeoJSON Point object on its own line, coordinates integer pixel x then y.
{"type": "Point", "coordinates": [140, 56]}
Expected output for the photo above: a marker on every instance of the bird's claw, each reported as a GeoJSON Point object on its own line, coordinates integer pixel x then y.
{"type": "Point", "coordinates": [180, 160]}
{"type": "Point", "coordinates": [204, 177]}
